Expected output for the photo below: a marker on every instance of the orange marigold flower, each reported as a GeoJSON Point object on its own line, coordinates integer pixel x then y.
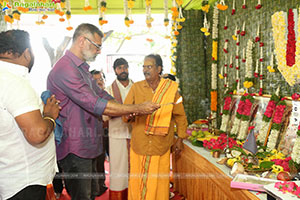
{"type": "Point", "coordinates": [89, 7]}
{"type": "Point", "coordinates": [56, 11]}
{"type": "Point", "coordinates": [61, 19]}
{"type": "Point", "coordinates": [69, 28]}
{"type": "Point", "coordinates": [174, 9]}
{"type": "Point", "coordinates": [9, 19]}
{"type": "Point", "coordinates": [131, 21]}
{"type": "Point", "coordinates": [149, 40]}
{"type": "Point", "coordinates": [63, 4]}
{"type": "Point", "coordinates": [61, 13]}
{"type": "Point", "coordinates": [44, 16]}
{"type": "Point", "coordinates": [176, 33]}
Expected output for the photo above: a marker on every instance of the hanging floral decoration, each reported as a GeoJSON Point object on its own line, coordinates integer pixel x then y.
{"type": "Point", "coordinates": [222, 5]}
{"type": "Point", "coordinates": [214, 65]}
{"type": "Point", "coordinates": [68, 15]}
{"type": "Point", "coordinates": [244, 5]}
{"type": "Point", "coordinates": [277, 124]}
{"type": "Point", "coordinates": [249, 63]}
{"type": "Point", "coordinates": [233, 8]}
{"type": "Point", "coordinates": [243, 32]}
{"type": "Point", "coordinates": [257, 38]}
{"type": "Point", "coordinates": [285, 48]}
{"type": "Point", "coordinates": [149, 19]}
{"type": "Point", "coordinates": [205, 28]}
{"type": "Point", "coordinates": [166, 12]}
{"type": "Point", "coordinates": [87, 5]}
{"type": "Point", "coordinates": [267, 117]}
{"type": "Point", "coordinates": [258, 6]}
{"type": "Point", "coordinates": [59, 12]}
{"type": "Point", "coordinates": [226, 110]}
{"type": "Point", "coordinates": [205, 6]}
{"type": "Point", "coordinates": [102, 10]}
{"type": "Point", "coordinates": [271, 66]}
{"type": "Point", "coordinates": [128, 19]}
{"type": "Point", "coordinates": [225, 25]}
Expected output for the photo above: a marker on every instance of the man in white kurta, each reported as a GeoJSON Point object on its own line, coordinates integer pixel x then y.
{"type": "Point", "coordinates": [119, 134]}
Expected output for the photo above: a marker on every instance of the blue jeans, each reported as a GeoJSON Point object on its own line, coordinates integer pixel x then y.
{"type": "Point", "coordinates": [80, 181]}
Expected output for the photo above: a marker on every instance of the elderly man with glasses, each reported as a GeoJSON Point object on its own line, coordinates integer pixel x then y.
{"type": "Point", "coordinates": [83, 103]}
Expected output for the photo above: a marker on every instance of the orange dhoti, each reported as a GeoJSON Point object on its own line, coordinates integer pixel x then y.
{"type": "Point", "coordinates": [149, 177]}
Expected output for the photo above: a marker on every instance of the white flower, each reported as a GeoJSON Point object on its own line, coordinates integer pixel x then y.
{"type": "Point", "coordinates": [225, 120]}
{"type": "Point", "coordinates": [243, 130]}
{"type": "Point", "coordinates": [272, 140]}
{"type": "Point", "coordinates": [236, 126]}
{"type": "Point", "coordinates": [263, 131]}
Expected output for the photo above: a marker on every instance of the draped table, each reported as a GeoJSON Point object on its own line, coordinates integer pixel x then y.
{"type": "Point", "coordinates": [198, 176]}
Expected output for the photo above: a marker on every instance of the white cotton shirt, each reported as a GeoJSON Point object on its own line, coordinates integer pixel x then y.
{"type": "Point", "coordinates": [117, 128]}
{"type": "Point", "coordinates": [21, 164]}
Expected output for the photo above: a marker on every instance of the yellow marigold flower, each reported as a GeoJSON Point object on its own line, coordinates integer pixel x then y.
{"type": "Point", "coordinates": [221, 76]}
{"type": "Point", "coordinates": [234, 37]}
{"type": "Point", "coordinates": [277, 168]}
{"type": "Point", "coordinates": [205, 8]}
{"type": "Point", "coordinates": [127, 38]}
{"type": "Point", "coordinates": [234, 91]}
{"type": "Point", "coordinates": [130, 4]}
{"type": "Point", "coordinates": [207, 33]}
{"type": "Point", "coordinates": [179, 27]}
{"type": "Point", "coordinates": [203, 29]}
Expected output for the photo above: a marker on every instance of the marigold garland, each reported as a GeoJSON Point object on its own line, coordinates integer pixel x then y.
{"type": "Point", "coordinates": [214, 97]}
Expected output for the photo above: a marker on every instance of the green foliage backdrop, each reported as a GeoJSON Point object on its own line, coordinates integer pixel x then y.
{"type": "Point", "coordinates": [194, 58]}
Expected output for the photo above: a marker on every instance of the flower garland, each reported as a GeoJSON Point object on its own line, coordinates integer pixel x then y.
{"type": "Point", "coordinates": [226, 111]}
{"type": "Point", "coordinates": [149, 19]}
{"type": "Point", "coordinates": [87, 5]}
{"type": "Point", "coordinates": [258, 6]}
{"type": "Point", "coordinates": [102, 9]}
{"type": "Point", "coordinates": [166, 18]}
{"type": "Point", "coordinates": [68, 15]}
{"type": "Point", "coordinates": [277, 124]}
{"type": "Point", "coordinates": [281, 47]}
{"type": "Point", "coordinates": [244, 5]}
{"type": "Point", "coordinates": [233, 8]}
{"type": "Point", "coordinates": [237, 120]}
{"type": "Point", "coordinates": [249, 62]}
{"type": "Point", "coordinates": [291, 42]}
{"type": "Point", "coordinates": [205, 8]}
{"type": "Point", "coordinates": [59, 12]}
{"type": "Point", "coordinates": [245, 116]}
{"type": "Point", "coordinates": [220, 143]}
{"type": "Point", "coordinates": [128, 5]}
{"type": "Point", "coordinates": [214, 66]}
{"type": "Point", "coordinates": [222, 5]}
{"type": "Point", "coordinates": [296, 148]}
{"type": "Point", "coordinates": [290, 187]}
{"type": "Point", "coordinates": [271, 66]}
{"type": "Point", "coordinates": [267, 118]}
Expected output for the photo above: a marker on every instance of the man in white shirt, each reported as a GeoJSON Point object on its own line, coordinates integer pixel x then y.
{"type": "Point", "coordinates": [119, 134]}
{"type": "Point", "coordinates": [27, 147]}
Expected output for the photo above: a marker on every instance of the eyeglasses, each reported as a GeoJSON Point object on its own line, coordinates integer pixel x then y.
{"type": "Point", "coordinates": [148, 66]}
{"type": "Point", "coordinates": [99, 47]}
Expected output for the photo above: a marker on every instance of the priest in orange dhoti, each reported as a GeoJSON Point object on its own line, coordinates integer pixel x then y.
{"type": "Point", "coordinates": [152, 135]}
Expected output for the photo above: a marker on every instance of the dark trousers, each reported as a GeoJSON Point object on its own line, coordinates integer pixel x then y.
{"type": "Point", "coordinates": [32, 192]}
{"type": "Point", "coordinates": [58, 181]}
{"type": "Point", "coordinates": [80, 177]}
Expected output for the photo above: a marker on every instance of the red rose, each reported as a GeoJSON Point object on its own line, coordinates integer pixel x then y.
{"type": "Point", "coordinates": [225, 50]}
{"type": "Point", "coordinates": [260, 93]}
{"type": "Point", "coordinates": [232, 11]}
{"type": "Point", "coordinates": [238, 32]}
{"type": "Point", "coordinates": [225, 27]}
{"type": "Point", "coordinates": [261, 60]}
{"type": "Point", "coordinates": [295, 96]}
{"type": "Point", "coordinates": [243, 33]}
{"type": "Point", "coordinates": [243, 60]}
{"type": "Point", "coordinates": [238, 44]}
{"type": "Point", "coordinates": [237, 68]}
{"type": "Point", "coordinates": [261, 44]}
{"type": "Point", "coordinates": [257, 39]}
{"type": "Point", "coordinates": [255, 74]}
{"type": "Point", "coordinates": [231, 66]}
{"type": "Point", "coordinates": [244, 6]}
{"type": "Point", "coordinates": [258, 6]}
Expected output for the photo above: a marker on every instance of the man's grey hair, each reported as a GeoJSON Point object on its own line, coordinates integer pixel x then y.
{"type": "Point", "coordinates": [86, 28]}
